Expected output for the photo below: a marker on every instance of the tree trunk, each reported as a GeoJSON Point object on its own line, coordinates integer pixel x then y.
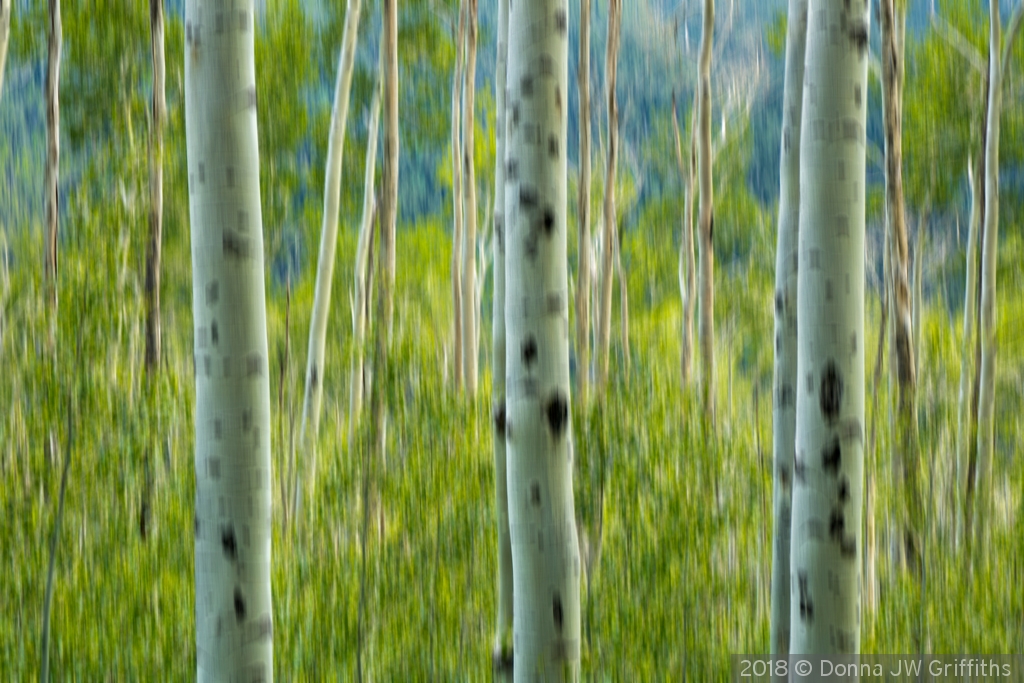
{"type": "Point", "coordinates": [998, 63]}
{"type": "Point", "coordinates": [825, 563]}
{"type": "Point", "coordinates": [457, 195]}
{"type": "Point", "coordinates": [360, 300]}
{"type": "Point", "coordinates": [545, 551]}
{"type": "Point", "coordinates": [785, 381]}
{"type": "Point", "coordinates": [687, 272]}
{"type": "Point", "coordinates": [469, 308]}
{"type": "Point", "coordinates": [604, 326]}
{"type": "Point", "coordinates": [5, 32]}
{"type": "Point", "coordinates": [965, 412]}
{"type": "Point", "coordinates": [52, 155]}
{"type": "Point", "coordinates": [583, 209]}
{"type": "Point", "coordinates": [234, 625]}
{"type": "Point", "coordinates": [329, 231]}
{"type": "Point", "coordinates": [623, 304]}
{"type": "Point", "coordinates": [389, 205]}
{"type": "Point", "coordinates": [706, 220]}
{"type": "Point", "coordinates": [156, 187]}
{"type": "Point", "coordinates": [905, 366]}
{"type": "Point", "coordinates": [502, 653]}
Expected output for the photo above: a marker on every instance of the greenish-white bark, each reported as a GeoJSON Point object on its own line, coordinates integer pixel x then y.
{"type": "Point", "coordinates": [785, 379]}
{"type": "Point", "coordinates": [998, 63]}
{"type": "Point", "coordinates": [52, 153]}
{"type": "Point", "coordinates": [469, 307]}
{"type": "Point", "coordinates": [687, 272]}
{"type": "Point", "coordinates": [583, 212]}
{"type": "Point", "coordinates": [502, 653]}
{"type": "Point", "coordinates": [389, 206]}
{"type": "Point", "coordinates": [234, 623]}
{"type": "Point", "coordinates": [963, 425]}
{"type": "Point", "coordinates": [825, 561]}
{"type": "Point", "coordinates": [706, 218]}
{"type": "Point", "coordinates": [359, 286]}
{"type": "Point", "coordinates": [604, 326]}
{"type": "Point", "coordinates": [457, 206]}
{"type": "Point", "coordinates": [156, 186]}
{"type": "Point", "coordinates": [5, 33]}
{"type": "Point", "coordinates": [545, 550]}
{"type": "Point", "coordinates": [328, 240]}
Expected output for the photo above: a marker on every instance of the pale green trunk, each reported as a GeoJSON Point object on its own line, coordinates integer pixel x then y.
{"type": "Point", "coordinates": [687, 272]}
{"type": "Point", "coordinates": [52, 155]}
{"type": "Point", "coordinates": [469, 308]}
{"type": "Point", "coordinates": [457, 303]}
{"type": "Point", "coordinates": [5, 32]}
{"type": "Point", "coordinates": [608, 247]}
{"type": "Point", "coordinates": [503, 656]}
{"type": "Point", "coordinates": [359, 305]}
{"type": "Point", "coordinates": [706, 220]}
{"type": "Point", "coordinates": [328, 233]}
{"type": "Point", "coordinates": [785, 381]}
{"type": "Point", "coordinates": [234, 623]}
{"type": "Point", "coordinates": [389, 206]}
{"type": "Point", "coordinates": [156, 187]}
{"type": "Point", "coordinates": [963, 425]}
{"type": "Point", "coordinates": [825, 562]}
{"type": "Point", "coordinates": [583, 210]}
{"type": "Point", "coordinates": [545, 551]}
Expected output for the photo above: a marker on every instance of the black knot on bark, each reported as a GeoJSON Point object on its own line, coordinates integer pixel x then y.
{"type": "Point", "coordinates": [831, 394]}
{"type": "Point", "coordinates": [239, 604]}
{"type": "Point", "coordinates": [228, 543]}
{"type": "Point", "coordinates": [499, 420]}
{"type": "Point", "coordinates": [557, 613]}
{"type": "Point", "coordinates": [529, 352]}
{"type": "Point", "coordinates": [557, 411]}
{"type": "Point", "coordinates": [831, 457]}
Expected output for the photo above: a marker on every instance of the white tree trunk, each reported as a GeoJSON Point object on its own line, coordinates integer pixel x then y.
{"type": "Point", "coordinates": [786, 322]}
{"type": "Point", "coordinates": [998, 63]}
{"type": "Point", "coordinates": [963, 425]}
{"type": "Point", "coordinates": [457, 195]}
{"type": "Point", "coordinates": [583, 284]}
{"type": "Point", "coordinates": [360, 305]}
{"type": "Point", "coordinates": [5, 33]}
{"type": "Point", "coordinates": [545, 550]}
{"type": "Point", "coordinates": [389, 208]}
{"type": "Point", "coordinates": [52, 153]}
{"type": "Point", "coordinates": [604, 326]}
{"type": "Point", "coordinates": [328, 233]}
{"type": "Point", "coordinates": [825, 563]}
{"type": "Point", "coordinates": [687, 272]}
{"type": "Point", "coordinates": [234, 625]}
{"type": "Point", "coordinates": [706, 219]}
{"type": "Point", "coordinates": [502, 654]}
{"type": "Point", "coordinates": [156, 186]}
{"type": "Point", "coordinates": [469, 309]}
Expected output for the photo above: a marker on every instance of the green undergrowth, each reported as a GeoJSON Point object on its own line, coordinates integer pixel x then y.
{"type": "Point", "coordinates": [681, 510]}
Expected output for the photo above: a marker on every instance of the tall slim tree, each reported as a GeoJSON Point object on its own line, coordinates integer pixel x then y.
{"type": "Point", "coordinates": [156, 186]}
{"type": "Point", "coordinates": [706, 219]}
{"type": "Point", "coordinates": [611, 65]}
{"type": "Point", "coordinates": [965, 412]}
{"type": "Point", "coordinates": [5, 33]}
{"type": "Point", "coordinates": [52, 154]}
{"type": "Point", "coordinates": [786, 322]}
{"type": "Point", "coordinates": [687, 271]}
{"type": "Point", "coordinates": [503, 650]}
{"type": "Point", "coordinates": [828, 469]}
{"type": "Point", "coordinates": [389, 203]}
{"type": "Point", "coordinates": [234, 624]}
{"type": "Point", "coordinates": [545, 551]}
{"type": "Point", "coordinates": [470, 350]}
{"type": "Point", "coordinates": [583, 211]}
{"type": "Point", "coordinates": [457, 204]}
{"type": "Point", "coordinates": [328, 238]}
{"type": "Point", "coordinates": [893, 22]}
{"type": "Point", "coordinates": [999, 60]}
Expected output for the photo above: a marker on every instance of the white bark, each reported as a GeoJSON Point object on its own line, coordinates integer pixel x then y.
{"type": "Point", "coordinates": [583, 284]}
{"type": "Point", "coordinates": [604, 327]}
{"type": "Point", "coordinates": [328, 232]}
{"type": "Point", "coordinates": [706, 219]}
{"type": "Point", "coordinates": [470, 350]}
{"type": "Point", "coordinates": [786, 323]}
{"type": "Point", "coordinates": [234, 626]}
{"type": "Point", "coordinates": [389, 205]}
{"type": "Point", "coordinates": [502, 654]}
{"type": "Point", "coordinates": [360, 306]}
{"type": "Point", "coordinates": [687, 272]}
{"type": "Point", "coordinates": [545, 550]}
{"type": "Point", "coordinates": [5, 32]}
{"type": "Point", "coordinates": [52, 153]}
{"type": "Point", "coordinates": [457, 194]}
{"type": "Point", "coordinates": [998, 62]}
{"type": "Point", "coordinates": [963, 425]}
{"type": "Point", "coordinates": [156, 186]}
{"type": "Point", "coordinates": [825, 562]}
